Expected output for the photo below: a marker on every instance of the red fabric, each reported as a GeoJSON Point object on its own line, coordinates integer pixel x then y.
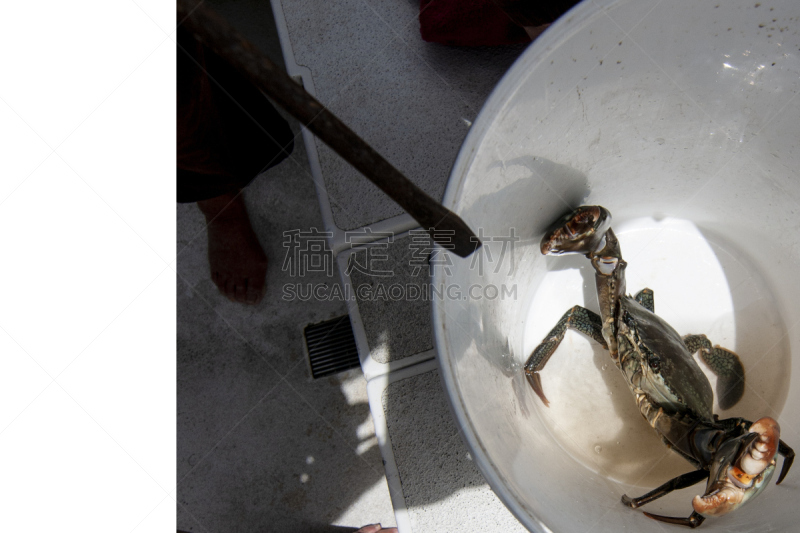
{"type": "Point", "coordinates": [467, 23]}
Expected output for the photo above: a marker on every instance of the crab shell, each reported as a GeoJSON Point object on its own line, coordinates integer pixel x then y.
{"type": "Point", "coordinates": [656, 360]}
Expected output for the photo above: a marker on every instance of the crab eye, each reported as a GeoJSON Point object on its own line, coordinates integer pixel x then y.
{"type": "Point", "coordinates": [654, 362]}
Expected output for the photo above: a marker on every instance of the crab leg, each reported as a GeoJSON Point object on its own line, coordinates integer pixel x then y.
{"type": "Point", "coordinates": [725, 364]}
{"type": "Point", "coordinates": [578, 318]}
{"type": "Point", "coordinates": [680, 482]}
{"type": "Point", "coordinates": [788, 459]}
{"type": "Point", "coordinates": [646, 299]}
{"type": "Point", "coordinates": [692, 521]}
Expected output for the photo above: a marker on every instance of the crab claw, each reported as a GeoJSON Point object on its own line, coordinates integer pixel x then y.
{"type": "Point", "coordinates": [718, 503]}
{"type": "Point", "coordinates": [762, 450]}
{"type": "Point", "coordinates": [580, 232]}
{"type": "Point", "coordinates": [741, 469]}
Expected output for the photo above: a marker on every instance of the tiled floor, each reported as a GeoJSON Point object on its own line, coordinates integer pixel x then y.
{"type": "Point", "coordinates": [371, 68]}
{"type": "Point", "coordinates": [262, 446]}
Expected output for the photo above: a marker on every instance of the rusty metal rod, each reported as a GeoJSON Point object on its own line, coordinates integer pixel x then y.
{"type": "Point", "coordinates": [444, 226]}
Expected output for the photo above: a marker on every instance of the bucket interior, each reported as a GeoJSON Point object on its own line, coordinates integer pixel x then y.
{"type": "Point", "coordinates": [694, 155]}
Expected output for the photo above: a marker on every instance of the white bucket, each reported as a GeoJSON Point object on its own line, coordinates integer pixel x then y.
{"type": "Point", "coordinates": [681, 119]}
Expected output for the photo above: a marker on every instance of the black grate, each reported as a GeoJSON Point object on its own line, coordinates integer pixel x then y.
{"type": "Point", "coordinates": [331, 346]}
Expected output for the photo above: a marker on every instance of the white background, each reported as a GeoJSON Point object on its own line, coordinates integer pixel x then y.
{"type": "Point", "coordinates": [87, 259]}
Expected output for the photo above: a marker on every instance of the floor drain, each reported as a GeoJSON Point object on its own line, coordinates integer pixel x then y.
{"type": "Point", "coordinates": [331, 346]}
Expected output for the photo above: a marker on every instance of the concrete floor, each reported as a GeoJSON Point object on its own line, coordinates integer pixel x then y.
{"type": "Point", "coordinates": [261, 446]}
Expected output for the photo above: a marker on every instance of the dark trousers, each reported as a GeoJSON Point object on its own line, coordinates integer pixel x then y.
{"type": "Point", "coordinates": [228, 132]}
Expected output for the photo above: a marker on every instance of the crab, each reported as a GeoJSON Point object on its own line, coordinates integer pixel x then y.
{"type": "Point", "coordinates": [735, 456]}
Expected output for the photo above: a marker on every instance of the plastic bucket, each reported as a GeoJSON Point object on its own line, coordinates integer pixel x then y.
{"type": "Point", "coordinates": [682, 120]}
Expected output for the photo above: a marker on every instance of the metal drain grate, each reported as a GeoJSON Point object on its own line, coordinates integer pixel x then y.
{"type": "Point", "coordinates": [331, 346]}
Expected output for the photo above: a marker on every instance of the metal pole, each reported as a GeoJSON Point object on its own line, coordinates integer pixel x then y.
{"type": "Point", "coordinates": [444, 226]}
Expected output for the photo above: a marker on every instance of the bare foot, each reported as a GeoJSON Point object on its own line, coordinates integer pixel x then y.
{"type": "Point", "coordinates": [238, 263]}
{"type": "Point", "coordinates": [376, 528]}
